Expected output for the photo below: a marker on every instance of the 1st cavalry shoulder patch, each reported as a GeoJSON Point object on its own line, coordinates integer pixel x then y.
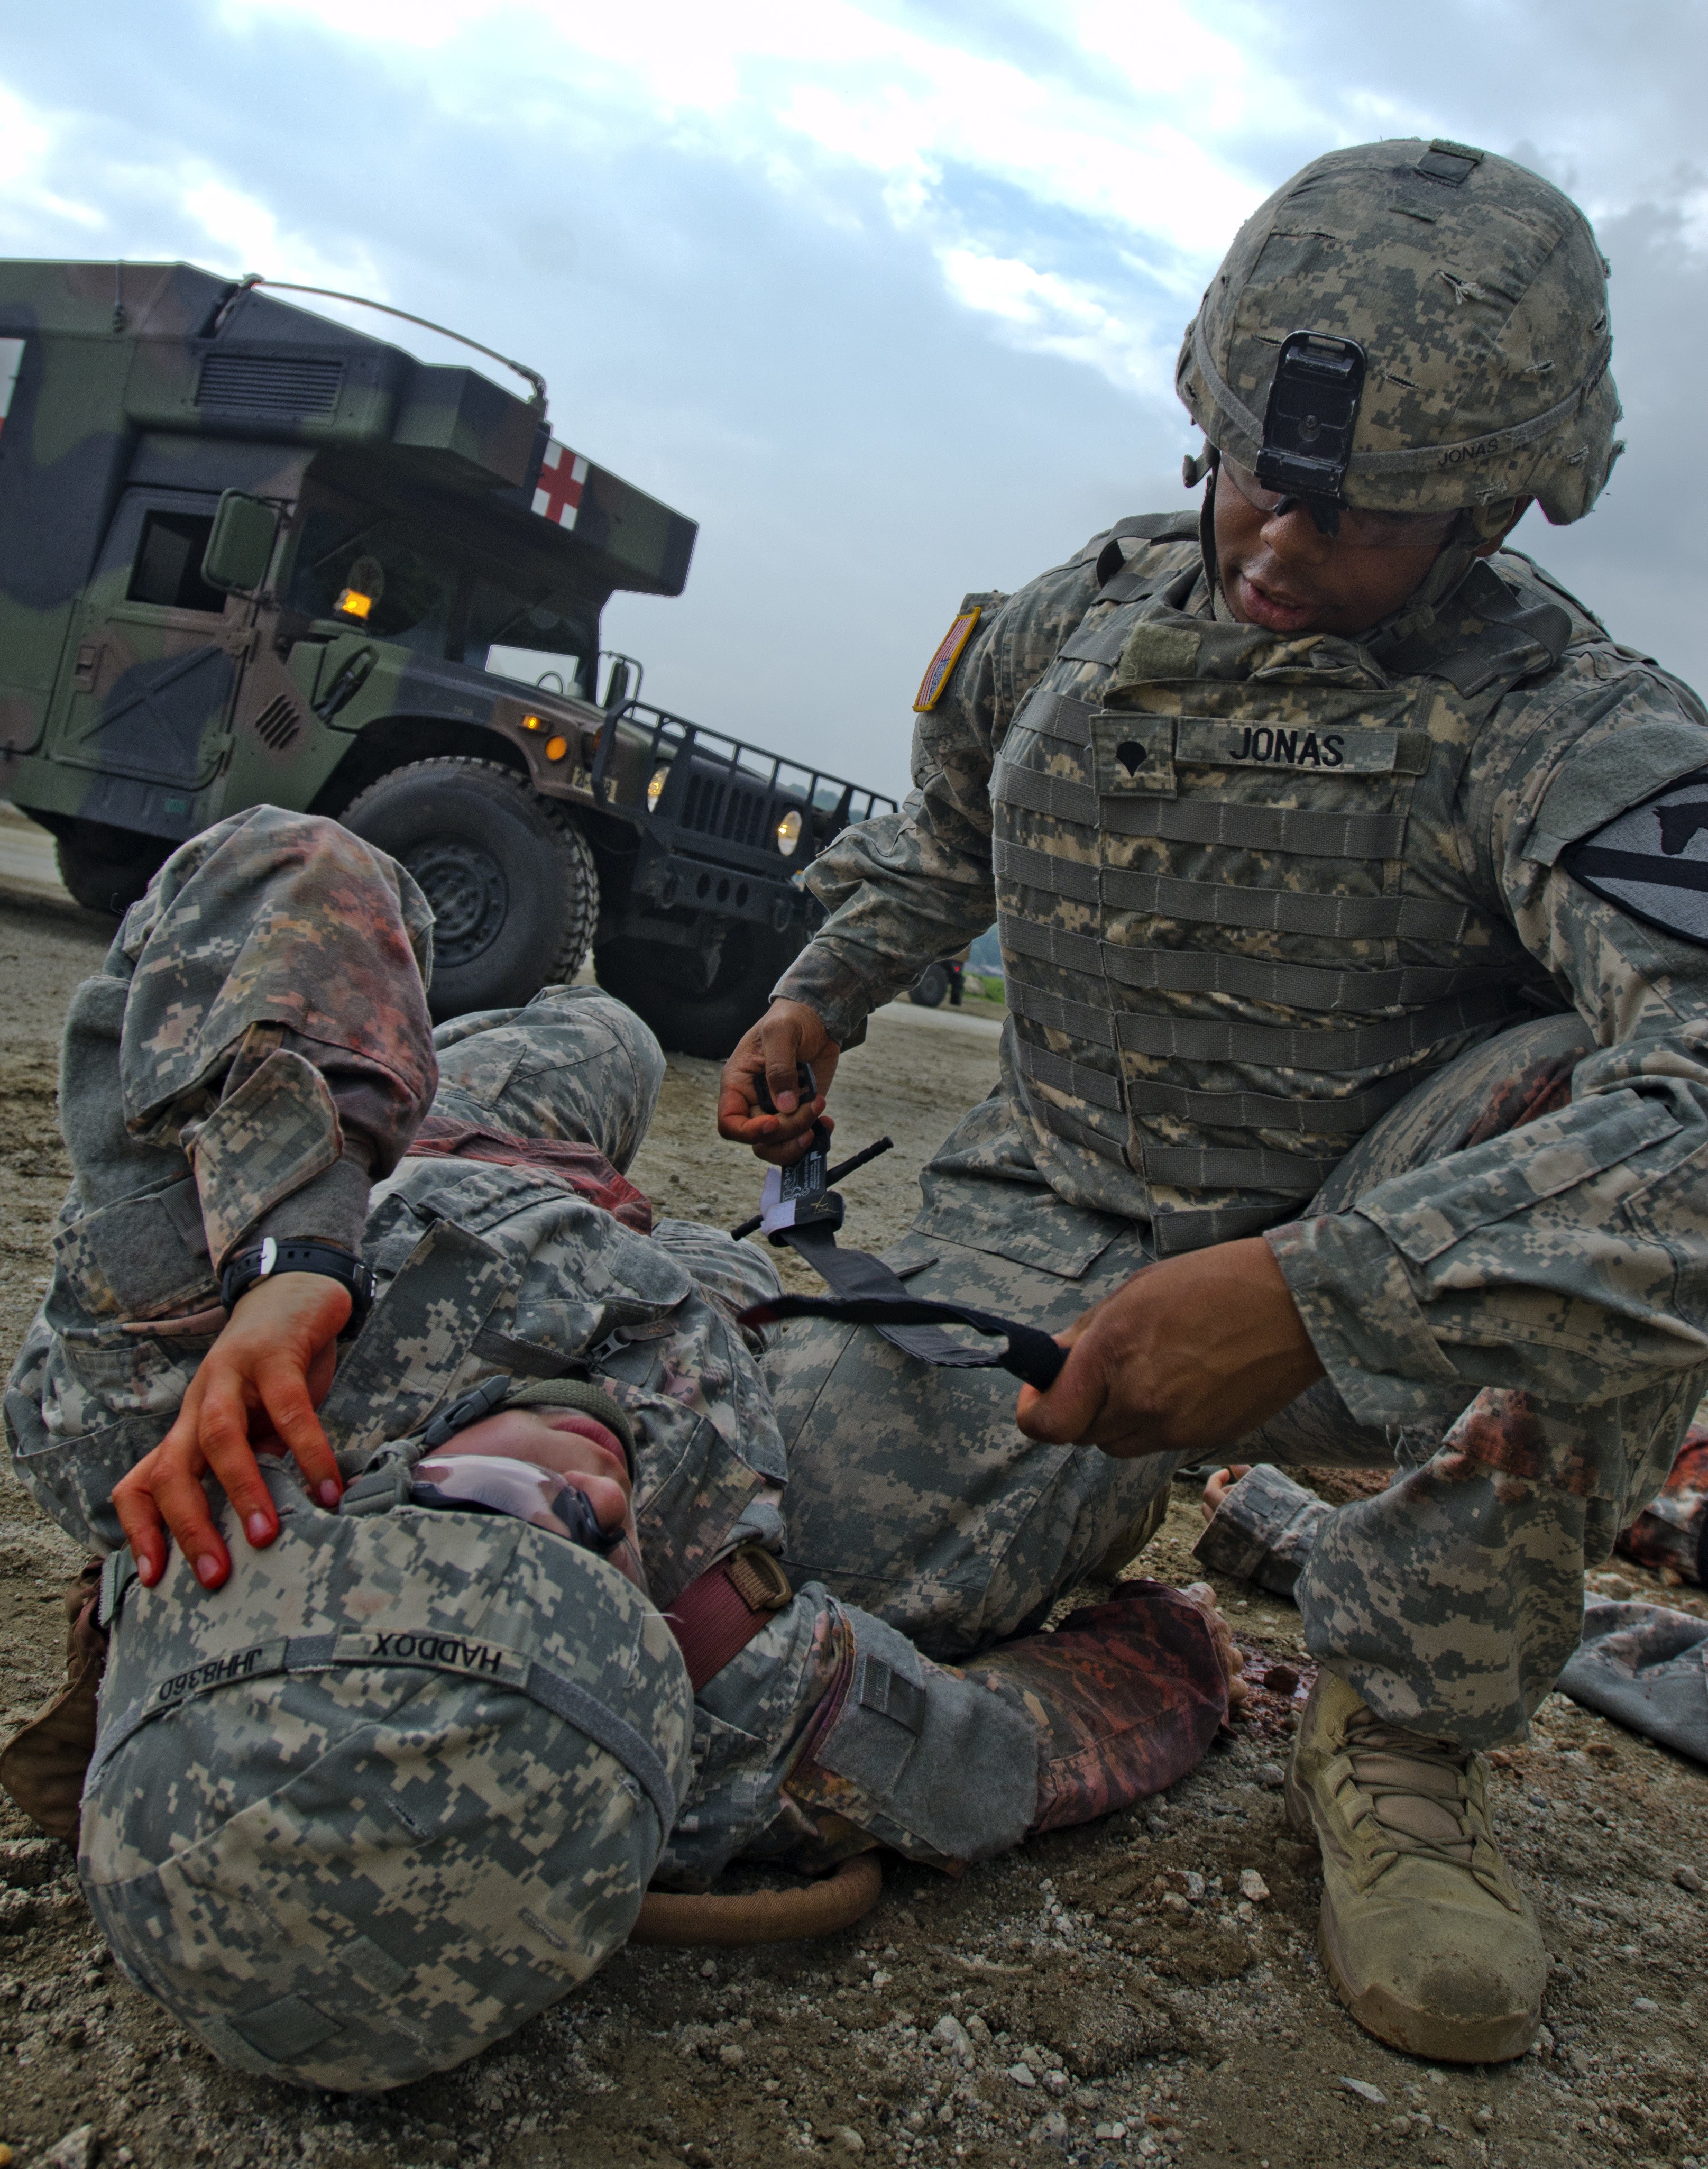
{"type": "Point", "coordinates": [1653, 859]}
{"type": "Point", "coordinates": [948, 655]}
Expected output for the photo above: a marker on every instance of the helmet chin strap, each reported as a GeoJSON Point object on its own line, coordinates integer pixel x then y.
{"type": "Point", "coordinates": [1480, 525]}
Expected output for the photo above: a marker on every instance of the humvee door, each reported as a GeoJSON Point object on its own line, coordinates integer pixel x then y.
{"type": "Point", "coordinates": [147, 704]}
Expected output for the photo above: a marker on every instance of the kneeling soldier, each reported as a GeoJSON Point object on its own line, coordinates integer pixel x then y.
{"type": "Point", "coordinates": [1354, 1105]}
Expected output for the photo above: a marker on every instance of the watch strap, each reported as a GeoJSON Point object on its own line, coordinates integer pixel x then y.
{"type": "Point", "coordinates": [262, 1260]}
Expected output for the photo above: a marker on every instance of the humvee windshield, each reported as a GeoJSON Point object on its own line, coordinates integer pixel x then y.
{"type": "Point", "coordinates": [370, 572]}
{"type": "Point", "coordinates": [392, 578]}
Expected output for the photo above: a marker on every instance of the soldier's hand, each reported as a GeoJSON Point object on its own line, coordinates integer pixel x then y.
{"type": "Point", "coordinates": [788, 1033]}
{"type": "Point", "coordinates": [258, 1386]}
{"type": "Point", "coordinates": [1191, 1354]}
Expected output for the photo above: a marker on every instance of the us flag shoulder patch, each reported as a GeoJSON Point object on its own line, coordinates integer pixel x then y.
{"type": "Point", "coordinates": [948, 655]}
{"type": "Point", "coordinates": [1652, 861]}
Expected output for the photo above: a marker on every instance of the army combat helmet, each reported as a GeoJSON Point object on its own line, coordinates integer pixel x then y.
{"type": "Point", "coordinates": [1411, 328]}
{"type": "Point", "coordinates": [398, 1785]}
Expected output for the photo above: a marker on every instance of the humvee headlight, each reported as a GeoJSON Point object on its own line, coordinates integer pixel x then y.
{"type": "Point", "coordinates": [353, 603]}
{"type": "Point", "coordinates": [555, 749]}
{"type": "Point", "coordinates": [655, 788]}
{"type": "Point", "coordinates": [789, 831]}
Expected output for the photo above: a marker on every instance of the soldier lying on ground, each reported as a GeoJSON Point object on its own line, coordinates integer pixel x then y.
{"type": "Point", "coordinates": [509, 1635]}
{"type": "Point", "coordinates": [1350, 882]}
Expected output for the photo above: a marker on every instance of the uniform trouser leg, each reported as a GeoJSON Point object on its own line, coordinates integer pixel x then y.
{"type": "Point", "coordinates": [1452, 1601]}
{"type": "Point", "coordinates": [912, 1491]}
{"type": "Point", "coordinates": [266, 992]}
{"type": "Point", "coordinates": [574, 1065]}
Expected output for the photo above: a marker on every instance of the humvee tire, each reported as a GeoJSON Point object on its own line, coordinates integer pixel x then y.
{"type": "Point", "coordinates": [107, 869]}
{"type": "Point", "coordinates": [511, 880]}
{"type": "Point", "coordinates": [933, 984]}
{"type": "Point", "coordinates": [666, 986]}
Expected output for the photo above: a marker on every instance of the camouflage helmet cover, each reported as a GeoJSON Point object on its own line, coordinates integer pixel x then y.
{"type": "Point", "coordinates": [1479, 296]}
{"type": "Point", "coordinates": [398, 1785]}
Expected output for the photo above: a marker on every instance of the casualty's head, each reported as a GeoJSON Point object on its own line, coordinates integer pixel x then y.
{"type": "Point", "coordinates": [402, 1780]}
{"type": "Point", "coordinates": [1404, 346]}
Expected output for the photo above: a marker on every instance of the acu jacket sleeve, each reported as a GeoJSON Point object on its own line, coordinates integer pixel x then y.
{"type": "Point", "coordinates": [1568, 1258]}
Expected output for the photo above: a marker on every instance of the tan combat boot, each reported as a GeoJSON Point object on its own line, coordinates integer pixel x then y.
{"type": "Point", "coordinates": [1431, 1945]}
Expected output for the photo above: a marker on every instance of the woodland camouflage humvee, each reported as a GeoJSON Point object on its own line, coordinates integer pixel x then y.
{"type": "Point", "coordinates": [248, 555]}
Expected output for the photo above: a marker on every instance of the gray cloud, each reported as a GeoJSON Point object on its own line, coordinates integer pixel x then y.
{"type": "Point", "coordinates": [752, 330]}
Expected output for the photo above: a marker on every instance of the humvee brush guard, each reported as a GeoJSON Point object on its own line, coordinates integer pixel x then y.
{"type": "Point", "coordinates": [248, 555]}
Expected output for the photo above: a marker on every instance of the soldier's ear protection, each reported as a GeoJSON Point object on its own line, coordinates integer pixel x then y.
{"type": "Point", "coordinates": [1308, 423]}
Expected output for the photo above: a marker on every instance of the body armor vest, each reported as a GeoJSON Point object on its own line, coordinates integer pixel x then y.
{"type": "Point", "coordinates": [1239, 911]}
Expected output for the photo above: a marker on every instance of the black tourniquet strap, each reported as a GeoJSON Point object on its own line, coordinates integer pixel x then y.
{"type": "Point", "coordinates": [1028, 1352]}
{"type": "Point", "coordinates": [857, 1273]}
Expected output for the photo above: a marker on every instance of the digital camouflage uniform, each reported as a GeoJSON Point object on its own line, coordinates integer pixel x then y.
{"type": "Point", "coordinates": [1299, 939]}
{"type": "Point", "coordinates": [405, 1778]}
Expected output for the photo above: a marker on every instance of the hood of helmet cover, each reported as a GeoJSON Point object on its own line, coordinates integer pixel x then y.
{"type": "Point", "coordinates": [1479, 296]}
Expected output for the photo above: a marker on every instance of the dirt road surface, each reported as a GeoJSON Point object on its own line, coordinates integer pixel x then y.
{"type": "Point", "coordinates": [1044, 2009]}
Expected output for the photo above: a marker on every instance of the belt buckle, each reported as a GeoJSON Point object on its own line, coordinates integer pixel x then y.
{"type": "Point", "coordinates": [757, 1577]}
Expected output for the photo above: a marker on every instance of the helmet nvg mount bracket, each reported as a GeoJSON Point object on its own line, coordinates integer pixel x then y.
{"type": "Point", "coordinates": [1308, 423]}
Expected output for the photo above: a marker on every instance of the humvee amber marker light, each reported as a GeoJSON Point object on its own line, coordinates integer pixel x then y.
{"type": "Point", "coordinates": [354, 603]}
{"type": "Point", "coordinates": [533, 723]}
{"type": "Point", "coordinates": [555, 749]}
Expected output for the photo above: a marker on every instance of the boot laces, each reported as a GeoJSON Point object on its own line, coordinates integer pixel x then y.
{"type": "Point", "coordinates": [1412, 1789]}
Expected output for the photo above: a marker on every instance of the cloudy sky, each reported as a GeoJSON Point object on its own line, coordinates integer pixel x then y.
{"type": "Point", "coordinates": [884, 293]}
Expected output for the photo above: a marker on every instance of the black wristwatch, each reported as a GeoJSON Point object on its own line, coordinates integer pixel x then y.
{"type": "Point", "coordinates": [260, 1261]}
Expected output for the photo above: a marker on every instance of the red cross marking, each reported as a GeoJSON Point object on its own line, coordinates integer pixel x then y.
{"type": "Point", "coordinates": [557, 493]}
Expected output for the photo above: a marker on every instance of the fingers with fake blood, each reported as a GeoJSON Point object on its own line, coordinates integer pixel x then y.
{"type": "Point", "coordinates": [258, 1383]}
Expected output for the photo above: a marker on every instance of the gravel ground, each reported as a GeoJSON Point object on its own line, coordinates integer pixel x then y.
{"type": "Point", "coordinates": [1143, 1990]}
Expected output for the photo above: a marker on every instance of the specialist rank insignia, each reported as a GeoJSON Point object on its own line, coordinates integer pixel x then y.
{"type": "Point", "coordinates": [948, 655]}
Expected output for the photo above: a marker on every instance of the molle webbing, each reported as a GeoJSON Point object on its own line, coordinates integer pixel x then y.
{"type": "Point", "coordinates": [1236, 1167]}
{"type": "Point", "coordinates": [1095, 1086]}
{"type": "Point", "coordinates": [1057, 795]}
{"type": "Point", "coordinates": [1192, 1167]}
{"type": "Point", "coordinates": [1172, 1233]}
{"type": "Point", "coordinates": [1080, 882]}
{"type": "Point", "coordinates": [1288, 911]}
{"type": "Point", "coordinates": [1204, 1039]}
{"type": "Point", "coordinates": [1300, 829]}
{"type": "Point", "coordinates": [1063, 716]}
{"type": "Point", "coordinates": [1270, 910]}
{"type": "Point", "coordinates": [1101, 643]}
{"type": "Point", "coordinates": [1350, 1115]}
{"type": "Point", "coordinates": [1209, 972]}
{"type": "Point", "coordinates": [1119, 966]}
